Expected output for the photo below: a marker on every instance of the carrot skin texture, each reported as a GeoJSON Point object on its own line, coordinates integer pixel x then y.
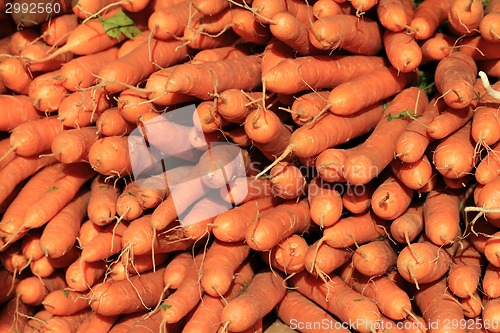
{"type": "Point", "coordinates": [24, 111]}
{"type": "Point", "coordinates": [402, 50]}
{"type": "Point", "coordinates": [339, 293]}
{"type": "Point", "coordinates": [427, 18]}
{"type": "Point", "coordinates": [33, 290]}
{"type": "Point", "coordinates": [104, 303]}
{"type": "Point", "coordinates": [263, 293]}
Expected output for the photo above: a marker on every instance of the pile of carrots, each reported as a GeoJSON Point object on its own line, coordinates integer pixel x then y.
{"type": "Point", "coordinates": [359, 125]}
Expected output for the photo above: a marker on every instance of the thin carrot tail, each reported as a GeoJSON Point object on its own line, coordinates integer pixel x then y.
{"type": "Point", "coordinates": [287, 152]}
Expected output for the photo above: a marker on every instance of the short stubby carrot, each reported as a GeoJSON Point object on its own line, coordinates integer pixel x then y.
{"type": "Point", "coordinates": [391, 199]}
{"type": "Point", "coordinates": [442, 217]}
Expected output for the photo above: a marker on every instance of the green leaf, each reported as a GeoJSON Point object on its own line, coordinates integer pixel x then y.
{"type": "Point", "coordinates": [165, 306]}
{"type": "Point", "coordinates": [53, 189]}
{"type": "Point", "coordinates": [65, 293]}
{"type": "Point", "coordinates": [384, 107]}
{"type": "Point", "coordinates": [403, 114]}
{"type": "Point", "coordinates": [119, 24]}
{"type": "Point", "coordinates": [426, 82]}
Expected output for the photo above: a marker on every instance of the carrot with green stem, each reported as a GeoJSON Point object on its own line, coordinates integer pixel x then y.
{"type": "Point", "coordinates": [80, 72]}
{"type": "Point", "coordinates": [392, 301]}
{"type": "Point", "coordinates": [413, 142]}
{"type": "Point", "coordinates": [453, 163]}
{"type": "Point", "coordinates": [356, 35]}
{"type": "Point", "coordinates": [325, 202]}
{"type": "Point", "coordinates": [328, 131]}
{"type": "Point", "coordinates": [339, 299]}
{"type": "Point", "coordinates": [65, 302]}
{"type": "Point", "coordinates": [364, 164]}
{"type": "Point", "coordinates": [263, 293]}
{"type": "Point", "coordinates": [391, 199]}
{"type": "Point", "coordinates": [303, 73]}
{"type": "Point", "coordinates": [18, 109]}
{"type": "Point", "coordinates": [278, 223]}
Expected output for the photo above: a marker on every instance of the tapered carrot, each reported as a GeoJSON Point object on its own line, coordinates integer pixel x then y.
{"type": "Point", "coordinates": [414, 175]}
{"type": "Point", "coordinates": [278, 223]}
{"type": "Point", "coordinates": [65, 302]}
{"type": "Point", "coordinates": [18, 109]}
{"type": "Point", "coordinates": [408, 226]}
{"type": "Point", "coordinates": [274, 53]}
{"type": "Point", "coordinates": [441, 217]}
{"type": "Point", "coordinates": [364, 164]}
{"type": "Point", "coordinates": [454, 163]}
{"type": "Point", "coordinates": [382, 83]}
{"type": "Point", "coordinates": [35, 188]}
{"type": "Point", "coordinates": [490, 314]}
{"type": "Point", "coordinates": [170, 22]}
{"type": "Point", "coordinates": [306, 107]}
{"type": "Point", "coordinates": [102, 203]}
{"type": "Point", "coordinates": [465, 272]}
{"type": "Point", "coordinates": [230, 226]}
{"type": "Point", "coordinates": [129, 70]}
{"type": "Point", "coordinates": [392, 15]}
{"type": "Point", "coordinates": [34, 137]}
{"type": "Point", "coordinates": [288, 255]}
{"type": "Point", "coordinates": [42, 268]}
{"type": "Point", "coordinates": [392, 301]}
{"type": "Point", "coordinates": [423, 263]}
{"type": "Point", "coordinates": [295, 308]}
{"type": "Point", "coordinates": [391, 199]}
{"type": "Point", "coordinates": [73, 145]}
{"type": "Point", "coordinates": [402, 50]}
{"type": "Point", "coordinates": [183, 78]}
{"type": "Point", "coordinates": [491, 251]}
{"type": "Point", "coordinates": [46, 92]}
{"type": "Point", "coordinates": [19, 169]}
{"type": "Point", "coordinates": [325, 203]}
{"type": "Point", "coordinates": [82, 275]}
{"type": "Point", "coordinates": [33, 290]}
{"type": "Point", "coordinates": [427, 18]}
{"type": "Point", "coordinates": [455, 76]}
{"type": "Point", "coordinates": [437, 47]}
{"type": "Point", "coordinates": [109, 156]}
{"type": "Point", "coordinates": [374, 259]}
{"type": "Point", "coordinates": [60, 194]}
{"type": "Point", "coordinates": [30, 245]}
{"type": "Point", "coordinates": [337, 32]}
{"type": "Point", "coordinates": [413, 142]}
{"type": "Point", "coordinates": [133, 104]}
{"type": "Point", "coordinates": [61, 231]}
{"type": "Point", "coordinates": [157, 91]}
{"type": "Point", "coordinates": [490, 281]}
{"type": "Point", "coordinates": [14, 76]}
{"type": "Point", "coordinates": [219, 265]}
{"type": "Point", "coordinates": [263, 293]}
{"type": "Point", "coordinates": [80, 72]}
{"type": "Point", "coordinates": [33, 56]}
{"type": "Point", "coordinates": [282, 78]}
{"type": "Point", "coordinates": [81, 109]}
{"type": "Point", "coordinates": [247, 26]}
{"type": "Point", "coordinates": [292, 31]}
{"type": "Point", "coordinates": [488, 27]}
{"type": "Point", "coordinates": [438, 305]}
{"type": "Point", "coordinates": [287, 181]}
{"type": "Point", "coordinates": [185, 298]}
{"type": "Point", "coordinates": [96, 323]}
{"type": "Point", "coordinates": [55, 32]}
{"type": "Point", "coordinates": [339, 299]}
{"type": "Point", "coordinates": [465, 16]}
{"type": "Point", "coordinates": [485, 126]}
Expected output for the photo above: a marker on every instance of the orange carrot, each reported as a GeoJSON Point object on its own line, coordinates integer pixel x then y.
{"type": "Point", "coordinates": [247, 26]}
{"type": "Point", "coordinates": [82, 275]}
{"type": "Point", "coordinates": [325, 203]}
{"type": "Point", "coordinates": [14, 316]}
{"type": "Point", "coordinates": [491, 249]}
{"type": "Point", "coordinates": [437, 47]}
{"type": "Point", "coordinates": [287, 181]}
{"type": "Point", "coordinates": [109, 156]}
{"type": "Point", "coordinates": [423, 263]}
{"type": "Point", "coordinates": [33, 290]}
{"type": "Point", "coordinates": [170, 22]}
{"type": "Point", "coordinates": [70, 323]}
{"type": "Point", "coordinates": [402, 50]}
{"type": "Point", "coordinates": [96, 323]}
{"type": "Point", "coordinates": [339, 299]}
{"type": "Point", "coordinates": [81, 109]}
{"type": "Point", "coordinates": [33, 56]}
{"type": "Point", "coordinates": [264, 292]}
{"type": "Point", "coordinates": [490, 281]}
{"type": "Point", "coordinates": [336, 32]}
{"type": "Point", "coordinates": [35, 136]}
{"type": "Point", "coordinates": [465, 272]}
{"type": "Point", "coordinates": [414, 175]}
{"type": "Point", "coordinates": [453, 163]}
{"type": "Point", "coordinates": [408, 226]}
{"type": "Point", "coordinates": [374, 259]}
{"type": "Point", "coordinates": [427, 18]}
{"type": "Point", "coordinates": [485, 126]}
{"type": "Point", "coordinates": [14, 76]}
{"type": "Point", "coordinates": [30, 245]}
{"type": "Point", "coordinates": [488, 27]}
{"type": "Point", "coordinates": [357, 198]}
{"type": "Point", "coordinates": [133, 104]}
{"type": "Point", "coordinates": [441, 217]}
{"type": "Point", "coordinates": [18, 110]}
{"type": "Point", "coordinates": [46, 92]}
{"type": "Point", "coordinates": [391, 199]}
{"type": "Point", "coordinates": [55, 32]}
{"type": "Point", "coordinates": [65, 302]}
{"type": "Point", "coordinates": [59, 235]}
{"type": "Point", "coordinates": [219, 265]}
{"type": "Point", "coordinates": [296, 74]}
{"type": "Point", "coordinates": [455, 76]}
{"type": "Point", "coordinates": [80, 72]}
{"type": "Point", "coordinates": [102, 203]}
{"type": "Point", "coordinates": [392, 15]}
{"type": "Point", "coordinates": [465, 16]}
{"type": "Point", "coordinates": [278, 223]}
